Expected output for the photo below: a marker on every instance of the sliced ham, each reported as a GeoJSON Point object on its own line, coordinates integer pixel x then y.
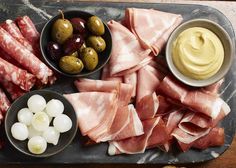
{"type": "Point", "coordinates": [131, 79]}
{"type": "Point", "coordinates": [158, 26]}
{"type": "Point", "coordinates": [92, 109]}
{"type": "Point", "coordinates": [147, 83]}
{"type": "Point", "coordinates": [106, 75]}
{"type": "Point", "coordinates": [128, 53]}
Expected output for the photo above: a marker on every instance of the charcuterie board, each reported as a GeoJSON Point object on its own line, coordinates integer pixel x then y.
{"type": "Point", "coordinates": [76, 152]}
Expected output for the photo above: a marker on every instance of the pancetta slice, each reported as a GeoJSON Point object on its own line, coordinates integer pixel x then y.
{"type": "Point", "coordinates": [136, 144]}
{"type": "Point", "coordinates": [158, 26]}
{"type": "Point", "coordinates": [93, 109]}
{"type": "Point", "coordinates": [128, 53]}
{"type": "Point", "coordinates": [131, 79]}
{"type": "Point", "coordinates": [147, 83]}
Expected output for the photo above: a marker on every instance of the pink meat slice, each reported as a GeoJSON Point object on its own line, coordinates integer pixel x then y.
{"type": "Point", "coordinates": [14, 31]}
{"type": "Point", "coordinates": [24, 57]}
{"type": "Point", "coordinates": [158, 26]}
{"type": "Point", "coordinates": [106, 75]}
{"type": "Point", "coordinates": [131, 79]}
{"type": "Point", "coordinates": [13, 90]}
{"type": "Point", "coordinates": [213, 88]}
{"type": "Point", "coordinates": [93, 109]}
{"type": "Point", "coordinates": [19, 77]}
{"type": "Point", "coordinates": [128, 53]}
{"type": "Point", "coordinates": [136, 144]}
{"type": "Point", "coordinates": [147, 83]}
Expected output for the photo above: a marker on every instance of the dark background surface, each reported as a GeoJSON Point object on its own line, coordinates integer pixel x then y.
{"type": "Point", "coordinates": [76, 153]}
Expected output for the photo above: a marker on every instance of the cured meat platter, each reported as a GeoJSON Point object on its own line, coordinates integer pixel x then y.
{"type": "Point", "coordinates": [76, 152]}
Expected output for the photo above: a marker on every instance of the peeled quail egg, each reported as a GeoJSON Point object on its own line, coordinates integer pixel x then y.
{"type": "Point", "coordinates": [40, 121]}
{"type": "Point", "coordinates": [62, 123]}
{"type": "Point", "coordinates": [33, 132]}
{"type": "Point", "coordinates": [54, 107]}
{"type": "Point", "coordinates": [25, 116]}
{"type": "Point", "coordinates": [19, 131]}
{"type": "Point", "coordinates": [37, 145]}
{"type": "Point", "coordinates": [51, 135]}
{"type": "Point", "coordinates": [36, 103]}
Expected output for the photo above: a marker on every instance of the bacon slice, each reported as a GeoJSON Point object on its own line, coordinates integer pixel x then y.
{"type": "Point", "coordinates": [147, 83]}
{"type": "Point", "coordinates": [13, 90]}
{"type": "Point", "coordinates": [24, 57]}
{"type": "Point", "coordinates": [153, 135]}
{"type": "Point", "coordinates": [93, 109]}
{"type": "Point", "coordinates": [131, 79]}
{"type": "Point", "coordinates": [14, 31]}
{"type": "Point", "coordinates": [158, 26]}
{"type": "Point", "coordinates": [19, 77]}
{"type": "Point", "coordinates": [128, 53]}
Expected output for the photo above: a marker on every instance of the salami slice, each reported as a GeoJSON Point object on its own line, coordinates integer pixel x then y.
{"type": "Point", "coordinates": [24, 57]}
{"type": "Point", "coordinates": [16, 75]}
{"type": "Point", "coordinates": [13, 90]}
{"type": "Point", "coordinates": [14, 31]}
{"type": "Point", "coordinates": [4, 102]}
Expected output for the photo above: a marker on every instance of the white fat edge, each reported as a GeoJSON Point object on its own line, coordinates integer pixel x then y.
{"type": "Point", "coordinates": [215, 154]}
{"type": "Point", "coordinates": [39, 11]}
{"type": "Point", "coordinates": [216, 108]}
{"type": "Point", "coordinates": [138, 126]}
{"type": "Point", "coordinates": [9, 21]}
{"type": "Point", "coordinates": [226, 109]}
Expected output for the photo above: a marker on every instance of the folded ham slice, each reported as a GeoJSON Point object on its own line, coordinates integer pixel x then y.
{"type": "Point", "coordinates": [94, 110]}
{"type": "Point", "coordinates": [158, 26]}
{"type": "Point", "coordinates": [194, 99]}
{"type": "Point", "coordinates": [126, 124]}
{"type": "Point", "coordinates": [123, 90]}
{"type": "Point", "coordinates": [128, 53]}
{"type": "Point", "coordinates": [138, 144]}
{"type": "Point", "coordinates": [131, 79]}
{"type": "Point", "coordinates": [106, 75]}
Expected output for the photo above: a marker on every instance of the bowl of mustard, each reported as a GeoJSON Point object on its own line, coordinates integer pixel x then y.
{"type": "Point", "coordinates": [199, 52]}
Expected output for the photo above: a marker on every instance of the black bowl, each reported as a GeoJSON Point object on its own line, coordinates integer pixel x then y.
{"type": "Point", "coordinates": [65, 138]}
{"type": "Point", "coordinates": [46, 37]}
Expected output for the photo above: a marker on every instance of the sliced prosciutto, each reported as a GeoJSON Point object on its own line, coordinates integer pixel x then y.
{"type": "Point", "coordinates": [126, 124]}
{"type": "Point", "coordinates": [19, 77]}
{"type": "Point", "coordinates": [24, 57]}
{"type": "Point", "coordinates": [147, 83]}
{"type": "Point", "coordinates": [14, 31]}
{"type": "Point", "coordinates": [128, 53]}
{"type": "Point", "coordinates": [158, 26]}
{"type": "Point", "coordinates": [194, 99]}
{"type": "Point", "coordinates": [94, 110]}
{"type": "Point", "coordinates": [123, 90]}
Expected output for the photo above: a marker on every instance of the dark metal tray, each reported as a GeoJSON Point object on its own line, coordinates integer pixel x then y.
{"type": "Point", "coordinates": [76, 152]}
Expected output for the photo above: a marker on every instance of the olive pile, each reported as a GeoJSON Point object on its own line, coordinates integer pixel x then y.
{"type": "Point", "coordinates": [76, 43]}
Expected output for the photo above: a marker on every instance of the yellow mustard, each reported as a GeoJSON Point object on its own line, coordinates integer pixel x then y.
{"type": "Point", "coordinates": [198, 53]}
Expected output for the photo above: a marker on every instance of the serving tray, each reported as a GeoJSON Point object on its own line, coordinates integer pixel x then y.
{"type": "Point", "coordinates": [40, 12]}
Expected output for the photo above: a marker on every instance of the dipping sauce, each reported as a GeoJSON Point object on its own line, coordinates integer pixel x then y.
{"type": "Point", "coordinates": [198, 53]}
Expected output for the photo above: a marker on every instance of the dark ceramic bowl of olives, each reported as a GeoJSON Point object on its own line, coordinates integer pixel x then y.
{"type": "Point", "coordinates": [75, 43]}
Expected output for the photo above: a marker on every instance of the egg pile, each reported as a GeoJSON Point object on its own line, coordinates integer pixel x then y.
{"type": "Point", "coordinates": [34, 123]}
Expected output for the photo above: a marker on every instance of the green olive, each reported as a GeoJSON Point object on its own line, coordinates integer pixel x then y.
{"type": "Point", "coordinates": [96, 42]}
{"type": "Point", "coordinates": [95, 26]}
{"type": "Point", "coordinates": [71, 65]}
{"type": "Point", "coordinates": [74, 54]}
{"type": "Point", "coordinates": [61, 30]}
{"type": "Point", "coordinates": [90, 58]}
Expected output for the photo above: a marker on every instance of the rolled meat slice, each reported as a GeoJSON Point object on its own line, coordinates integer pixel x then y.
{"type": "Point", "coordinates": [158, 26]}
{"type": "Point", "coordinates": [14, 31]}
{"type": "Point", "coordinates": [92, 109]}
{"type": "Point", "coordinates": [128, 54]}
{"type": "Point", "coordinates": [24, 57]}
{"type": "Point", "coordinates": [9, 59]}
{"type": "Point", "coordinates": [19, 77]}
{"type": "Point", "coordinates": [4, 102]}
{"type": "Point", "coordinates": [13, 90]}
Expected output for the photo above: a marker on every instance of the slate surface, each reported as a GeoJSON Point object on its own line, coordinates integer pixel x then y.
{"type": "Point", "coordinates": [41, 11]}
